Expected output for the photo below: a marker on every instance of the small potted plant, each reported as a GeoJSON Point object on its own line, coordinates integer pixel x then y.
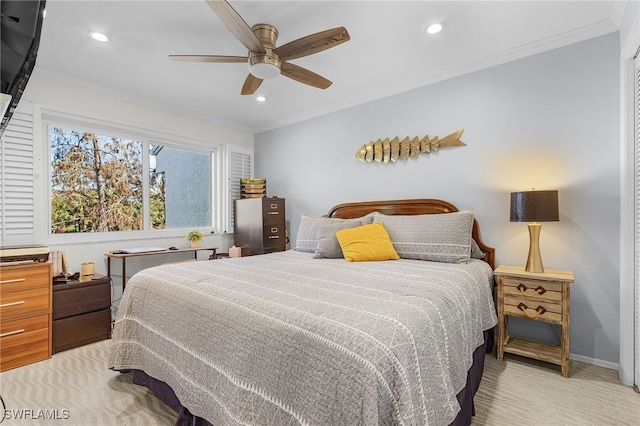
{"type": "Point", "coordinates": [194, 237]}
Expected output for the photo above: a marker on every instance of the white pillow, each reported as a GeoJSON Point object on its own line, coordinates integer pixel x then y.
{"type": "Point", "coordinates": [438, 237]}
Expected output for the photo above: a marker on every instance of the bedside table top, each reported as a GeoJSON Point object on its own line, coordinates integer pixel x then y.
{"type": "Point", "coordinates": [548, 274]}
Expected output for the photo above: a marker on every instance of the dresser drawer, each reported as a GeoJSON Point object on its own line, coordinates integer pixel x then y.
{"type": "Point", "coordinates": [273, 210]}
{"type": "Point", "coordinates": [81, 297]}
{"type": "Point", "coordinates": [524, 307]}
{"type": "Point", "coordinates": [274, 236]}
{"type": "Point", "coordinates": [533, 289]}
{"type": "Point", "coordinates": [24, 302]}
{"type": "Point", "coordinates": [24, 341]}
{"type": "Point", "coordinates": [12, 279]}
{"type": "Point", "coordinates": [80, 330]}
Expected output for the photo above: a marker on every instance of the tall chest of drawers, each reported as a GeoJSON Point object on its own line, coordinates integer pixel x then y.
{"type": "Point", "coordinates": [259, 225]}
{"type": "Point", "coordinates": [25, 314]}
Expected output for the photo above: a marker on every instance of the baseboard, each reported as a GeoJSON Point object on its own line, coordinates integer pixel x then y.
{"type": "Point", "coordinates": [606, 364]}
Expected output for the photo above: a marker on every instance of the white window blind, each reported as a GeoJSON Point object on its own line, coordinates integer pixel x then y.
{"type": "Point", "coordinates": [240, 165]}
{"type": "Point", "coordinates": [637, 220]}
{"type": "Point", "coordinates": [17, 192]}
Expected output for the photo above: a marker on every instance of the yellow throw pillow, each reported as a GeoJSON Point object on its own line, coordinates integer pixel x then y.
{"type": "Point", "coordinates": [367, 242]}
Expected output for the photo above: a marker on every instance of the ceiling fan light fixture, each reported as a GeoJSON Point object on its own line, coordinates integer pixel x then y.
{"type": "Point", "coordinates": [264, 71]}
{"type": "Point", "coordinates": [261, 99]}
{"type": "Point", "coordinates": [264, 65]}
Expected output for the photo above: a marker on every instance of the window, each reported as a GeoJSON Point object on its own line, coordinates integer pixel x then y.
{"type": "Point", "coordinates": [182, 182]}
{"type": "Point", "coordinates": [104, 182]}
{"type": "Point", "coordinates": [180, 188]}
{"type": "Point", "coordinates": [96, 182]}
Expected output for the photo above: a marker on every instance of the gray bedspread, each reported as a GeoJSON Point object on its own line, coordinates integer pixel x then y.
{"type": "Point", "coordinates": [285, 339]}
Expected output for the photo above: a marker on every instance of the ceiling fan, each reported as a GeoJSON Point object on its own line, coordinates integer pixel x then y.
{"type": "Point", "coordinates": [264, 58]}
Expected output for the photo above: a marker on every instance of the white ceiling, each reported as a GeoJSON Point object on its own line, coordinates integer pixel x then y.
{"type": "Point", "coordinates": [389, 51]}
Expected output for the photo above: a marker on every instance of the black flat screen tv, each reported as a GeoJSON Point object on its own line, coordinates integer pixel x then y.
{"type": "Point", "coordinates": [20, 27]}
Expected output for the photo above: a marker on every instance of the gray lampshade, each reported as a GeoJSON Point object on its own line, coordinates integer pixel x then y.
{"type": "Point", "coordinates": [534, 206]}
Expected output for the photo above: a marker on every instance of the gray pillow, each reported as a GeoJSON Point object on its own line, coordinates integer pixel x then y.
{"type": "Point", "coordinates": [437, 237]}
{"type": "Point", "coordinates": [476, 253]}
{"type": "Point", "coordinates": [328, 246]}
{"type": "Point", "coordinates": [307, 238]}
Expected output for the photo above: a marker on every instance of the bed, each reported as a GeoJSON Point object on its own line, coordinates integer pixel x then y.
{"type": "Point", "coordinates": [287, 338]}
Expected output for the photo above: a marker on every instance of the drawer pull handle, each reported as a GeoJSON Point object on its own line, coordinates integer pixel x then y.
{"type": "Point", "coordinates": [4, 305]}
{"type": "Point", "coordinates": [538, 311]}
{"type": "Point", "coordinates": [274, 237]}
{"type": "Point", "coordinates": [274, 212]}
{"type": "Point", "coordinates": [529, 292]}
{"type": "Point", "coordinates": [274, 230]}
{"type": "Point", "coordinates": [18, 280]}
{"type": "Point", "coordinates": [11, 333]}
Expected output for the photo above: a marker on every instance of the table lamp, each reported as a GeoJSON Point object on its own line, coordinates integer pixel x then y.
{"type": "Point", "coordinates": [533, 207]}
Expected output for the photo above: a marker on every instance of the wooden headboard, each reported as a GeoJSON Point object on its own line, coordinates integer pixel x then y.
{"type": "Point", "coordinates": [409, 207]}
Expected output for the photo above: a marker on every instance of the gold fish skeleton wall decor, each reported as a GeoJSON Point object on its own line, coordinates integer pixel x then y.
{"type": "Point", "coordinates": [385, 150]}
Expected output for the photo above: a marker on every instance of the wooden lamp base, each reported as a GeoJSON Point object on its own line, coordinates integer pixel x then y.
{"type": "Point", "coordinates": [534, 260]}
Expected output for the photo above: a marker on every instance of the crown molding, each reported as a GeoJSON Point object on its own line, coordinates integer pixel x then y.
{"type": "Point", "coordinates": [528, 49]}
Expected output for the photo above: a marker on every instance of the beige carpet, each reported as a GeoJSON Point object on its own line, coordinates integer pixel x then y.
{"type": "Point", "coordinates": [515, 392]}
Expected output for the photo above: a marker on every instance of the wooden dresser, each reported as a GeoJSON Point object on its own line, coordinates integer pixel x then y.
{"type": "Point", "coordinates": [81, 313]}
{"type": "Point", "coordinates": [25, 314]}
{"type": "Point", "coordinates": [259, 225]}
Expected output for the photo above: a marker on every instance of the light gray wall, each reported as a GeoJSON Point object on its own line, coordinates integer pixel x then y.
{"type": "Point", "coordinates": [549, 121]}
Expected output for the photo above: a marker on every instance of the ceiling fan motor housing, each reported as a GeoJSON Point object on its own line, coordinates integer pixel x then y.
{"type": "Point", "coordinates": [265, 65]}
{"type": "Point", "coordinates": [266, 61]}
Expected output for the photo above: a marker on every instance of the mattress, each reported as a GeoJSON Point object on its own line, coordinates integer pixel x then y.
{"type": "Point", "coordinates": [287, 339]}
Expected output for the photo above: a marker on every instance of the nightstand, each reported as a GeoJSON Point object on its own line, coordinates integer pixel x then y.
{"type": "Point", "coordinates": [81, 313]}
{"type": "Point", "coordinates": [535, 296]}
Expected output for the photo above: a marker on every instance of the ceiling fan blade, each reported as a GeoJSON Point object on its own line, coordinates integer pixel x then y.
{"type": "Point", "coordinates": [238, 27]}
{"type": "Point", "coordinates": [304, 76]}
{"type": "Point", "coordinates": [250, 85]}
{"type": "Point", "coordinates": [313, 43]}
{"type": "Point", "coordinates": [210, 58]}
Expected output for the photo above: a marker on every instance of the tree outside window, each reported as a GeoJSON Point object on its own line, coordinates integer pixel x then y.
{"type": "Point", "coordinates": [97, 184]}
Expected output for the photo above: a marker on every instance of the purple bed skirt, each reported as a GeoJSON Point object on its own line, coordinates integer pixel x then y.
{"type": "Point", "coordinates": [164, 392]}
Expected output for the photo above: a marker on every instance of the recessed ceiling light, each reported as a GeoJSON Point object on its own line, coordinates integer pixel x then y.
{"type": "Point", "coordinates": [434, 28]}
{"type": "Point", "coordinates": [261, 99]}
{"type": "Point", "coordinates": [98, 36]}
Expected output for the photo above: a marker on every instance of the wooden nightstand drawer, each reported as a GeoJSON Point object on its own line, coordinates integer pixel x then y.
{"type": "Point", "coordinates": [519, 306]}
{"type": "Point", "coordinates": [81, 329]}
{"type": "Point", "coordinates": [23, 279]}
{"type": "Point", "coordinates": [78, 298]}
{"type": "Point", "coordinates": [23, 302]}
{"type": "Point", "coordinates": [533, 289]}
{"type": "Point", "coordinates": [24, 341]}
